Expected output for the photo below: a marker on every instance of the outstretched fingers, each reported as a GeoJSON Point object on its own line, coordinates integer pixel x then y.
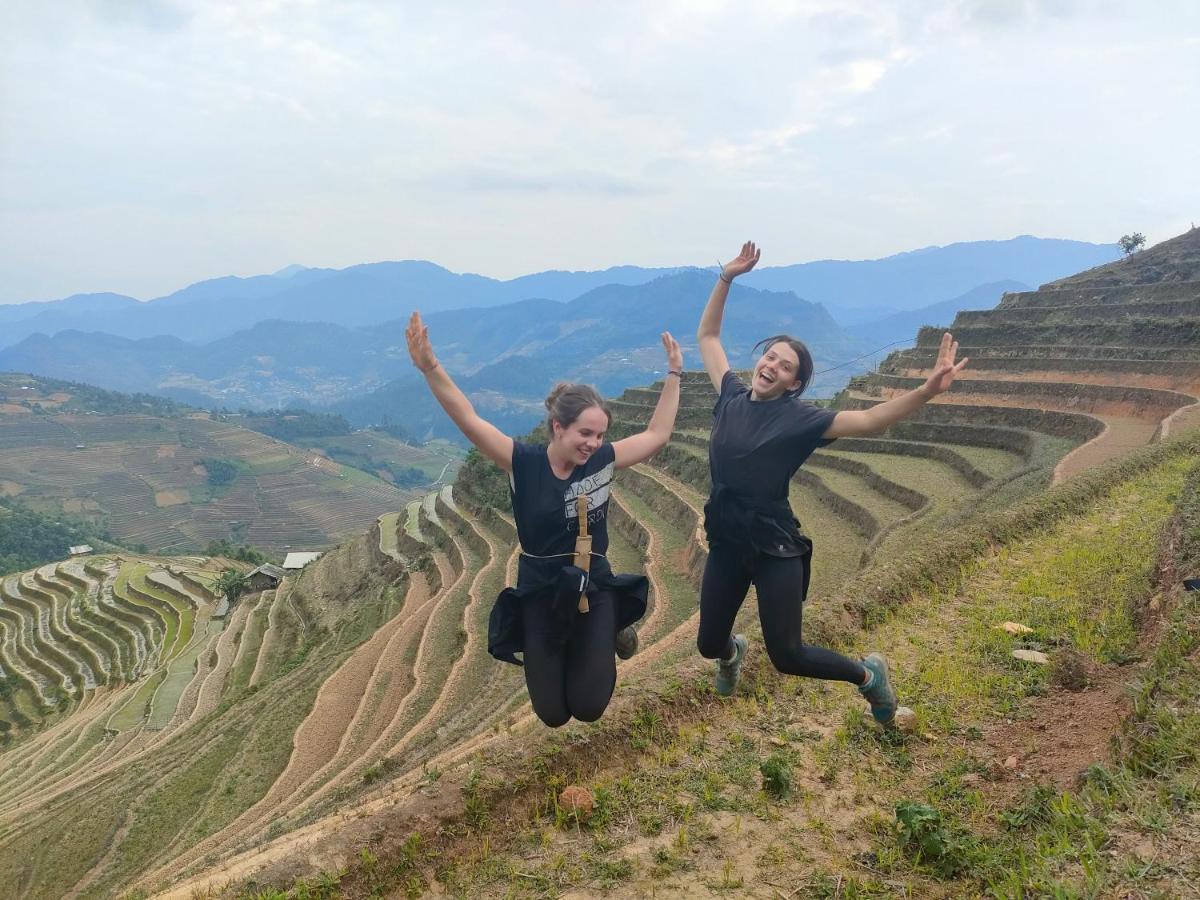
{"type": "Point", "coordinates": [674, 353]}
{"type": "Point", "coordinates": [419, 347]}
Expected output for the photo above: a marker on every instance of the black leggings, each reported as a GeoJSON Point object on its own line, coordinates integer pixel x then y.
{"type": "Point", "coordinates": [780, 584]}
{"type": "Point", "coordinates": [575, 677]}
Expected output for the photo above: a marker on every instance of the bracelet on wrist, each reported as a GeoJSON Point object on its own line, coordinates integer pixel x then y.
{"type": "Point", "coordinates": [430, 369]}
{"type": "Point", "coordinates": [678, 374]}
{"type": "Point", "coordinates": [721, 275]}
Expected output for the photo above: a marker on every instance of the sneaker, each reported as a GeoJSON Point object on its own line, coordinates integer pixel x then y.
{"type": "Point", "coordinates": [729, 670]}
{"type": "Point", "coordinates": [627, 642]}
{"type": "Point", "coordinates": [880, 694]}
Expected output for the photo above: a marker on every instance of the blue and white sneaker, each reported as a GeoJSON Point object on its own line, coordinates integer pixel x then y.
{"type": "Point", "coordinates": [878, 691]}
{"type": "Point", "coordinates": [729, 670]}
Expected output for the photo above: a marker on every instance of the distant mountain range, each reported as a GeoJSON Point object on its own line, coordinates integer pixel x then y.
{"type": "Point", "coordinates": [919, 278]}
{"type": "Point", "coordinates": [609, 335]}
{"type": "Point", "coordinates": [330, 338]}
{"type": "Point", "coordinates": [378, 292]}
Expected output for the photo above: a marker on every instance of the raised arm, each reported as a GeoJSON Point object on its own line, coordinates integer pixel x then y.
{"type": "Point", "coordinates": [639, 447]}
{"type": "Point", "coordinates": [708, 335]}
{"type": "Point", "coordinates": [856, 423]}
{"type": "Point", "coordinates": [491, 441]}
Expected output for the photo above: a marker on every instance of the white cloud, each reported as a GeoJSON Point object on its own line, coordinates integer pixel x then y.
{"type": "Point", "coordinates": [510, 137]}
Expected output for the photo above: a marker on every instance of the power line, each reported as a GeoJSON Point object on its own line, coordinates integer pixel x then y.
{"type": "Point", "coordinates": [864, 356]}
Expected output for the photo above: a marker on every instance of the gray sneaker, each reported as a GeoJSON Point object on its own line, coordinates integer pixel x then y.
{"type": "Point", "coordinates": [627, 642]}
{"type": "Point", "coordinates": [729, 670]}
{"type": "Point", "coordinates": [880, 694]}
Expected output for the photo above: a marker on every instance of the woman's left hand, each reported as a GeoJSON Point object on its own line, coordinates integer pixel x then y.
{"type": "Point", "coordinates": [674, 354]}
{"type": "Point", "coordinates": [419, 347]}
{"type": "Point", "coordinates": [946, 368]}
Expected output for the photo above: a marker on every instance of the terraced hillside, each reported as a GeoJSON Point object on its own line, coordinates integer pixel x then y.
{"type": "Point", "coordinates": [863, 502]}
{"type": "Point", "coordinates": [146, 477]}
{"type": "Point", "coordinates": [351, 721]}
{"type": "Point", "coordinates": [1110, 357]}
{"type": "Point", "coordinates": [110, 643]}
{"type": "Point", "coordinates": [129, 693]}
{"type": "Point", "coordinates": [466, 747]}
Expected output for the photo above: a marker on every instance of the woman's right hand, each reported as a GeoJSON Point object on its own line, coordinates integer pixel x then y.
{"type": "Point", "coordinates": [419, 347]}
{"type": "Point", "coordinates": [743, 262]}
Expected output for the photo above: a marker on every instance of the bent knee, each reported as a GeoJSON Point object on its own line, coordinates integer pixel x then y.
{"type": "Point", "coordinates": [590, 712]}
{"type": "Point", "coordinates": [710, 648]}
{"type": "Point", "coordinates": [790, 659]}
{"type": "Point", "coordinates": [555, 718]}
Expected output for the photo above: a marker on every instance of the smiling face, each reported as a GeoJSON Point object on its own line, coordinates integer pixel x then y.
{"type": "Point", "coordinates": [776, 372]}
{"type": "Point", "coordinates": [575, 443]}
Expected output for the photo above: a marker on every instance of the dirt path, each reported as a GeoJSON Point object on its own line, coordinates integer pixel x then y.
{"type": "Point", "coordinates": [1124, 428]}
{"type": "Point", "coordinates": [1120, 436]}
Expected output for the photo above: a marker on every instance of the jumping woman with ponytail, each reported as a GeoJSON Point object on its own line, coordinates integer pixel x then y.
{"type": "Point", "coordinates": [762, 433]}
{"type": "Point", "coordinates": [568, 620]}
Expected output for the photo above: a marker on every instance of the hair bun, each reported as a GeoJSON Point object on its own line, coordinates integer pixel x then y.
{"type": "Point", "coordinates": [555, 393]}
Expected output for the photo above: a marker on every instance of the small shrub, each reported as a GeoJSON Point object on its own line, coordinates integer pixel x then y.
{"type": "Point", "coordinates": [777, 776]}
{"type": "Point", "coordinates": [931, 840]}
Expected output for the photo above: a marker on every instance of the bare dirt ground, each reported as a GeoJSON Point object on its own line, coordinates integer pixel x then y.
{"type": "Point", "coordinates": [1121, 435]}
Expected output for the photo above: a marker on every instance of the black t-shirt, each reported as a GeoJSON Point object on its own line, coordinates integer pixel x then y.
{"type": "Point", "coordinates": [755, 448]}
{"type": "Point", "coordinates": [544, 505]}
{"type": "Point", "coordinates": [757, 445]}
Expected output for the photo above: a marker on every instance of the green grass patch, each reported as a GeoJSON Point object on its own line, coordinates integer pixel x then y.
{"type": "Point", "coordinates": [133, 714]}
{"type": "Point", "coordinates": [837, 545]}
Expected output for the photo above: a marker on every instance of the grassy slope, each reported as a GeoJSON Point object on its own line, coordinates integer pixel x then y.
{"type": "Point", "coordinates": [681, 809]}
{"type": "Point", "coordinates": [692, 819]}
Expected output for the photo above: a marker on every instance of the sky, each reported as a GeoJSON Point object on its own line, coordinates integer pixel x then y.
{"type": "Point", "coordinates": [148, 144]}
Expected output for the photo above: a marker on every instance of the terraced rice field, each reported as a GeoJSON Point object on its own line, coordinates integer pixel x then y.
{"type": "Point", "coordinates": [143, 476]}
{"type": "Point", "coordinates": [406, 686]}
{"type": "Point", "coordinates": [302, 729]}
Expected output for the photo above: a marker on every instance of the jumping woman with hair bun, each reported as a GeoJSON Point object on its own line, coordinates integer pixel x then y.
{"type": "Point", "coordinates": [762, 433]}
{"type": "Point", "coordinates": [568, 614]}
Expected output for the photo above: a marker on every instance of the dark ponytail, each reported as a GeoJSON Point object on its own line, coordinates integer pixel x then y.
{"type": "Point", "coordinates": [804, 370]}
{"type": "Point", "coordinates": [567, 401]}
